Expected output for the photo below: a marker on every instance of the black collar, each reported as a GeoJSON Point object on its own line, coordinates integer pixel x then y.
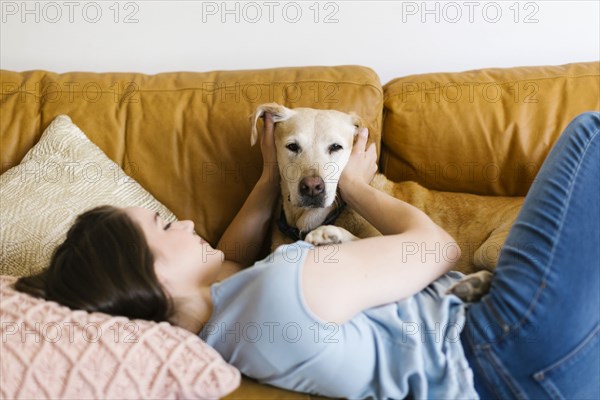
{"type": "Point", "coordinates": [295, 233]}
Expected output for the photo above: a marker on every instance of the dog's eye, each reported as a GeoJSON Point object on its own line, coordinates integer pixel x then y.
{"type": "Point", "coordinates": [293, 147]}
{"type": "Point", "coordinates": [335, 147]}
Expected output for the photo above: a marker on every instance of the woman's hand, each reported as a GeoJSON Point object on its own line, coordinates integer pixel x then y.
{"type": "Point", "coordinates": [361, 166]}
{"type": "Point", "coordinates": [268, 150]}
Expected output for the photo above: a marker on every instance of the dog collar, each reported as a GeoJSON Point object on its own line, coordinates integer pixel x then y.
{"type": "Point", "coordinates": [296, 234]}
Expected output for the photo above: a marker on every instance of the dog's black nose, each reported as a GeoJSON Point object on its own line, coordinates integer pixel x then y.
{"type": "Point", "coordinates": [312, 186]}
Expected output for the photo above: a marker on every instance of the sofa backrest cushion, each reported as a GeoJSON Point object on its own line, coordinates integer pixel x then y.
{"type": "Point", "coordinates": [485, 131]}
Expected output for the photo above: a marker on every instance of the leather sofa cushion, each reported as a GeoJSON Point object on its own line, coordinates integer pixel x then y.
{"type": "Point", "coordinates": [485, 131]}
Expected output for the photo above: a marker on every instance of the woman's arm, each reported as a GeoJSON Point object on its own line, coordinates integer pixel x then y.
{"type": "Point", "coordinates": [374, 271]}
{"type": "Point", "coordinates": [244, 237]}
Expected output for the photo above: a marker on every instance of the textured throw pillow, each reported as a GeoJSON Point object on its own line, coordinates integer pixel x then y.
{"type": "Point", "coordinates": [63, 175]}
{"type": "Point", "coordinates": [49, 351]}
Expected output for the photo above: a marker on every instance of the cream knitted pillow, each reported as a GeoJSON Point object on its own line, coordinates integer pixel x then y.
{"type": "Point", "coordinates": [63, 175]}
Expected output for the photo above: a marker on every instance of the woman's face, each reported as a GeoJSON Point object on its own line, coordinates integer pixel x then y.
{"type": "Point", "coordinates": [182, 260]}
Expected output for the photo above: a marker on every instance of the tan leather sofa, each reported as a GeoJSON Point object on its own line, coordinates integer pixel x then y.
{"type": "Point", "coordinates": [186, 136]}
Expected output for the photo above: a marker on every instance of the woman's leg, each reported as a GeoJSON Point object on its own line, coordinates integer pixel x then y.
{"type": "Point", "coordinates": [536, 334]}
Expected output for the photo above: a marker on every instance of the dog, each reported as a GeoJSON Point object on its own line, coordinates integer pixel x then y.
{"type": "Point", "coordinates": [313, 146]}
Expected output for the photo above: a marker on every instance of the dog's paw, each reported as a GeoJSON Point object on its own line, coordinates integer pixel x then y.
{"type": "Point", "coordinates": [472, 287]}
{"type": "Point", "coordinates": [325, 234]}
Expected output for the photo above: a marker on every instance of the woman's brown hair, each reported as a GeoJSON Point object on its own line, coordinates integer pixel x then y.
{"type": "Point", "coordinates": [103, 265]}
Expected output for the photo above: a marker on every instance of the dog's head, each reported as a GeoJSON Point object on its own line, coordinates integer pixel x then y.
{"type": "Point", "coordinates": [313, 147]}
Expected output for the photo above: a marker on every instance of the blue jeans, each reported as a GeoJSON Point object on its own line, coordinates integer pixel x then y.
{"type": "Point", "coordinates": [537, 333]}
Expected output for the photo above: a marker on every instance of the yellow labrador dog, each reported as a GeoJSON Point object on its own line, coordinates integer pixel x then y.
{"type": "Point", "coordinates": [313, 147]}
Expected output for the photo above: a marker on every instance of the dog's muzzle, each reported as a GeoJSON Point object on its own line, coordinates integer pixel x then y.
{"type": "Point", "coordinates": [312, 192]}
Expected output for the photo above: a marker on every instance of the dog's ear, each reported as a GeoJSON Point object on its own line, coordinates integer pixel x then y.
{"type": "Point", "coordinates": [279, 112]}
{"type": "Point", "coordinates": [358, 122]}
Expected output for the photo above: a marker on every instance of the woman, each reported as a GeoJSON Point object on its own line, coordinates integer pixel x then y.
{"type": "Point", "coordinates": [365, 318]}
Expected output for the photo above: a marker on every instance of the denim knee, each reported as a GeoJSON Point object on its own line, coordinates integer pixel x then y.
{"type": "Point", "coordinates": [580, 131]}
{"type": "Point", "coordinates": [588, 118]}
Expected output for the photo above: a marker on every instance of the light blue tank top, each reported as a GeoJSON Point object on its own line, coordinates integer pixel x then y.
{"type": "Point", "coordinates": [261, 324]}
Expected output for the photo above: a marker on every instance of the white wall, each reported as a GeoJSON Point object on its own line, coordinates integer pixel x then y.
{"type": "Point", "coordinates": [395, 38]}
